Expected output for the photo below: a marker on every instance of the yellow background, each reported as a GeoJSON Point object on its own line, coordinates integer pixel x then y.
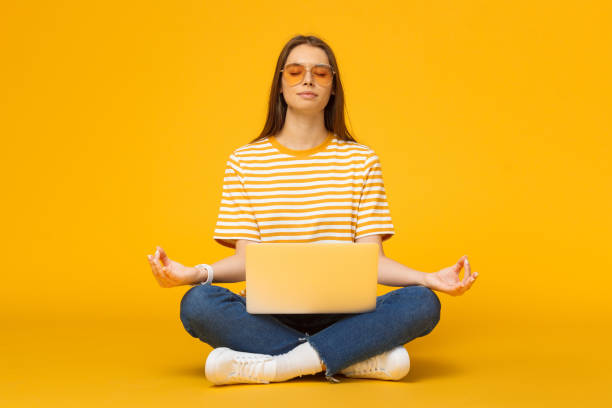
{"type": "Point", "coordinates": [492, 123]}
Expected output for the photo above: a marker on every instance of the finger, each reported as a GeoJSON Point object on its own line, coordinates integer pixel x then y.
{"type": "Point", "coordinates": [468, 269]}
{"type": "Point", "coordinates": [456, 288]}
{"type": "Point", "coordinates": [473, 278]}
{"type": "Point", "coordinates": [155, 263]}
{"type": "Point", "coordinates": [163, 256]}
{"type": "Point", "coordinates": [462, 288]}
{"type": "Point", "coordinates": [152, 263]}
{"type": "Point", "coordinates": [159, 272]}
{"type": "Point", "coordinates": [459, 265]}
{"type": "Point", "coordinates": [155, 269]}
{"type": "Point", "coordinates": [470, 282]}
{"type": "Point", "coordinates": [165, 271]}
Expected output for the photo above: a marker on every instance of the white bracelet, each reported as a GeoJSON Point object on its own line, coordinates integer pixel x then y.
{"type": "Point", "coordinates": [209, 278]}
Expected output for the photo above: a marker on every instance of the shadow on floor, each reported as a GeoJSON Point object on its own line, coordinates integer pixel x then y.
{"type": "Point", "coordinates": [422, 368]}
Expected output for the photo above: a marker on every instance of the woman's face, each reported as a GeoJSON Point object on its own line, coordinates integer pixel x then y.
{"type": "Point", "coordinates": [310, 56]}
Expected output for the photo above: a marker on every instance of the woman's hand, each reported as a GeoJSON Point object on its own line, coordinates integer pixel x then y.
{"type": "Point", "coordinates": [170, 273]}
{"type": "Point", "coordinates": [447, 280]}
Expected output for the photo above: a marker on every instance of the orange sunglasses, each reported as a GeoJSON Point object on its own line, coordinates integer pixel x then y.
{"type": "Point", "coordinates": [294, 73]}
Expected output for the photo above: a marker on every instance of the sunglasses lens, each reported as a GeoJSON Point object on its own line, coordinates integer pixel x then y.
{"type": "Point", "coordinates": [322, 74]}
{"type": "Point", "coordinates": [294, 73]}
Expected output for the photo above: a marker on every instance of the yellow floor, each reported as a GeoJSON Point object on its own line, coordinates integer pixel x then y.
{"type": "Point", "coordinates": [466, 361]}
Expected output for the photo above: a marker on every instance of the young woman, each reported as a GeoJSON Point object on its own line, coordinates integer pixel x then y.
{"type": "Point", "coordinates": [305, 179]}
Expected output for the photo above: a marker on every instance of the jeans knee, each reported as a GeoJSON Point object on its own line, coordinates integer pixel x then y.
{"type": "Point", "coordinates": [193, 305]}
{"type": "Point", "coordinates": [432, 306]}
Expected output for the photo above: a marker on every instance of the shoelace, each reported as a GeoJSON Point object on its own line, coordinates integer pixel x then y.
{"type": "Point", "coordinates": [368, 366]}
{"type": "Point", "coordinates": [249, 368]}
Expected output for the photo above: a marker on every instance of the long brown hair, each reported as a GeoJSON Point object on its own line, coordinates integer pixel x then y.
{"type": "Point", "coordinates": [277, 107]}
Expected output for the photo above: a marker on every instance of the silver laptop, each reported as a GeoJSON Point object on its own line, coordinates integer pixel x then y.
{"type": "Point", "coordinates": [305, 278]}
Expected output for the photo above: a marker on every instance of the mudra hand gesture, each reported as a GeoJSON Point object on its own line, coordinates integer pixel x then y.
{"type": "Point", "coordinates": [447, 280]}
{"type": "Point", "coordinates": [170, 273]}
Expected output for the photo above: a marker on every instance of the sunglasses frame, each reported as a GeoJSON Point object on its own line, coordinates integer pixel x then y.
{"type": "Point", "coordinates": [307, 69]}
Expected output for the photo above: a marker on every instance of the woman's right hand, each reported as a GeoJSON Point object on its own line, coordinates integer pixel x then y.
{"type": "Point", "coordinates": [170, 273]}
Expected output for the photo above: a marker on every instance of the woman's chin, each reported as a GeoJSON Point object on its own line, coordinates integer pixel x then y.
{"type": "Point", "coordinates": [306, 108]}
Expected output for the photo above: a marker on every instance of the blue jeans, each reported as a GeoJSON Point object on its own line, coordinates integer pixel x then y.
{"type": "Point", "coordinates": [218, 317]}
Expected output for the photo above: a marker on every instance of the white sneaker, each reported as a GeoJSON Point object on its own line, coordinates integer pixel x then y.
{"type": "Point", "coordinates": [227, 366]}
{"type": "Point", "coordinates": [390, 365]}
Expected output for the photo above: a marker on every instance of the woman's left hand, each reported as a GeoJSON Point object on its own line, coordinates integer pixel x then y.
{"type": "Point", "coordinates": [447, 280]}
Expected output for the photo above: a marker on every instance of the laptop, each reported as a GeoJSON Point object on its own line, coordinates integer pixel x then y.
{"type": "Point", "coordinates": [305, 278]}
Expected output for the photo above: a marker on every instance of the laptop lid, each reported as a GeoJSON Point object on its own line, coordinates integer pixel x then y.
{"type": "Point", "coordinates": [311, 277]}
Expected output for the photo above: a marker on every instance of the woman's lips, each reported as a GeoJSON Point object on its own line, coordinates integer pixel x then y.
{"type": "Point", "coordinates": [307, 95]}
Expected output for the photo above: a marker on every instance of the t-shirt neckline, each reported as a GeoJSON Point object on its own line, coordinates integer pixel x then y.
{"type": "Point", "coordinates": [301, 153]}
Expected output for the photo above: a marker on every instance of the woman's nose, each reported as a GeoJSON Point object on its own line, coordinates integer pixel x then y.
{"type": "Point", "coordinates": [308, 77]}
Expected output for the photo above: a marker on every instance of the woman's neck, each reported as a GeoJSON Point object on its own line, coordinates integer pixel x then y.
{"type": "Point", "coordinates": [302, 131]}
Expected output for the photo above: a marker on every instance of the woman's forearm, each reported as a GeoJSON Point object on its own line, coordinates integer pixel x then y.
{"type": "Point", "coordinates": [230, 269]}
{"type": "Point", "coordinates": [393, 273]}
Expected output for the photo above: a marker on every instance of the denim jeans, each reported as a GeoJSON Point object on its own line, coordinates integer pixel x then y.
{"type": "Point", "coordinates": [218, 317]}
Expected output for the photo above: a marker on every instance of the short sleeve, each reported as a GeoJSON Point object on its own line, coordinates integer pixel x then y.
{"type": "Point", "coordinates": [236, 218]}
{"type": "Point", "coordinates": [373, 216]}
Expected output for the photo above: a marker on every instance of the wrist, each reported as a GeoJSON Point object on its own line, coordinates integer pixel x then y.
{"type": "Point", "coordinates": [425, 279]}
{"type": "Point", "coordinates": [206, 274]}
{"type": "Point", "coordinates": [201, 275]}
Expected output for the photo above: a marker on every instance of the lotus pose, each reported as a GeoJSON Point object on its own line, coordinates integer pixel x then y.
{"type": "Point", "coordinates": [305, 179]}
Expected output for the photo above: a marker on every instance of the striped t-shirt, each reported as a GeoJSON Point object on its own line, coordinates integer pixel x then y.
{"type": "Point", "coordinates": [331, 193]}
